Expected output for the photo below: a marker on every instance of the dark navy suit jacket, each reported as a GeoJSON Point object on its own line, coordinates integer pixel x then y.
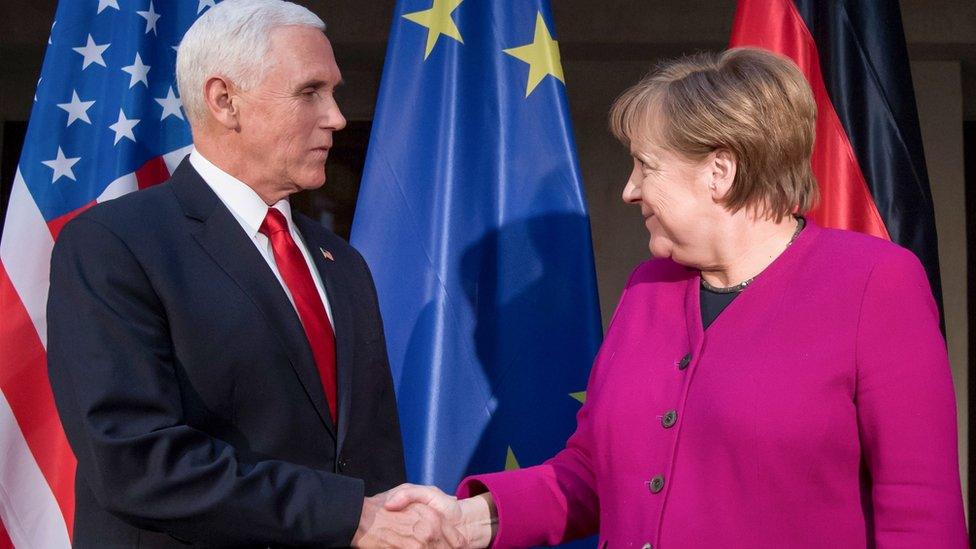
{"type": "Point", "coordinates": [188, 391]}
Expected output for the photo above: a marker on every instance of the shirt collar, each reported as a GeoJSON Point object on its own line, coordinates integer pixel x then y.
{"type": "Point", "coordinates": [239, 198]}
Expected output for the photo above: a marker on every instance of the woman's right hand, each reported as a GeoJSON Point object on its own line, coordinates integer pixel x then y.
{"type": "Point", "coordinates": [475, 517]}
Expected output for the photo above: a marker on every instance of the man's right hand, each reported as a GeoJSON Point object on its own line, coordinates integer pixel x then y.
{"type": "Point", "coordinates": [414, 526]}
{"type": "Point", "coordinates": [475, 518]}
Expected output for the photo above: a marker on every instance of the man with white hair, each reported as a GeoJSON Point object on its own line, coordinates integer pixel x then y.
{"type": "Point", "coordinates": [218, 363]}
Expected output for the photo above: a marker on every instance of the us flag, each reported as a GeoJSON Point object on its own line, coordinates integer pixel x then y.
{"type": "Point", "coordinates": [107, 120]}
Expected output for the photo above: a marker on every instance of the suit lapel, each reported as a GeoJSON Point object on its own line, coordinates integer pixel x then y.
{"type": "Point", "coordinates": [333, 278]}
{"type": "Point", "coordinates": [222, 237]}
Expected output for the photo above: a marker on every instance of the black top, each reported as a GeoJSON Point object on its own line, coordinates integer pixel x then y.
{"type": "Point", "coordinates": [713, 303]}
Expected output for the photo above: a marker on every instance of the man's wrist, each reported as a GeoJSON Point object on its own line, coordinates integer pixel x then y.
{"type": "Point", "coordinates": [479, 519]}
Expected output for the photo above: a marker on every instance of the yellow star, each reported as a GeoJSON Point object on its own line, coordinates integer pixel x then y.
{"type": "Point", "coordinates": [580, 396]}
{"type": "Point", "coordinates": [438, 21]}
{"type": "Point", "coordinates": [542, 55]}
{"type": "Point", "coordinates": [511, 463]}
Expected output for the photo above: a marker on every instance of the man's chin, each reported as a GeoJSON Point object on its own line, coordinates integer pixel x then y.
{"type": "Point", "coordinates": [313, 182]}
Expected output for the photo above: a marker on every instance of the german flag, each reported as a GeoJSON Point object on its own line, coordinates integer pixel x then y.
{"type": "Point", "coordinates": [868, 156]}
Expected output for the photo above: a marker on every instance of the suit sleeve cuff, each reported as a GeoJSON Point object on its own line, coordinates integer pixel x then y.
{"type": "Point", "coordinates": [344, 509]}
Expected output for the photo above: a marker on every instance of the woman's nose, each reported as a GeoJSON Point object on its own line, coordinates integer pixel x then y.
{"type": "Point", "coordinates": [631, 194]}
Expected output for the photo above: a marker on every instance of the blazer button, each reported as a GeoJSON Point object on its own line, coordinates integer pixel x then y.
{"type": "Point", "coordinates": [647, 546]}
{"type": "Point", "coordinates": [656, 484]}
{"type": "Point", "coordinates": [685, 361]}
{"type": "Point", "coordinates": [668, 419]}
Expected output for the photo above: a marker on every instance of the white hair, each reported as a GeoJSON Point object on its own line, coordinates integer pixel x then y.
{"type": "Point", "coordinates": [232, 40]}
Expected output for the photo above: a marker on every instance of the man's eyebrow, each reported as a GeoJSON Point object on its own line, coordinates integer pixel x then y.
{"type": "Point", "coordinates": [318, 83]}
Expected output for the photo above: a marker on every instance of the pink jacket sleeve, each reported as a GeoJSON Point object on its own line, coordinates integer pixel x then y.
{"type": "Point", "coordinates": [556, 501]}
{"type": "Point", "coordinates": [546, 504]}
{"type": "Point", "coordinates": [906, 411]}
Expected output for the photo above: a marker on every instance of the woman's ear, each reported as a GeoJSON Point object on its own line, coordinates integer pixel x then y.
{"type": "Point", "coordinates": [222, 101]}
{"type": "Point", "coordinates": [723, 165]}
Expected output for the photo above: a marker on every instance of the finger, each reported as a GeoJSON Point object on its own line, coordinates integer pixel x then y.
{"type": "Point", "coordinates": [428, 526]}
{"type": "Point", "coordinates": [401, 531]}
{"type": "Point", "coordinates": [444, 504]}
{"type": "Point", "coordinates": [446, 533]}
{"type": "Point", "coordinates": [404, 495]}
{"type": "Point", "coordinates": [408, 543]}
{"type": "Point", "coordinates": [392, 491]}
{"type": "Point", "coordinates": [452, 536]}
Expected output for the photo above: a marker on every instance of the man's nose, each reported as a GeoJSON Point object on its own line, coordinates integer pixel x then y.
{"type": "Point", "coordinates": [333, 119]}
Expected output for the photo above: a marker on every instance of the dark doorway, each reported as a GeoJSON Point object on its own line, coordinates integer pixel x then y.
{"type": "Point", "coordinates": [13, 141]}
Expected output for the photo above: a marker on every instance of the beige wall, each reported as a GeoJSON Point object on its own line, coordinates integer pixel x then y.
{"type": "Point", "coordinates": [938, 91]}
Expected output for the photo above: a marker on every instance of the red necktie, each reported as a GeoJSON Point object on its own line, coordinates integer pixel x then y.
{"type": "Point", "coordinates": [294, 270]}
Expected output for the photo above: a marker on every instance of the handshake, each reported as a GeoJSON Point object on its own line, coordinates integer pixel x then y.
{"type": "Point", "coordinates": [424, 516]}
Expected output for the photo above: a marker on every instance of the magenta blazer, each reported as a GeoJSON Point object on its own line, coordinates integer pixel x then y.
{"type": "Point", "coordinates": [816, 411]}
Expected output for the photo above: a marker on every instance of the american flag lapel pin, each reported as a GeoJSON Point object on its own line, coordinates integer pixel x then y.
{"type": "Point", "coordinates": [327, 254]}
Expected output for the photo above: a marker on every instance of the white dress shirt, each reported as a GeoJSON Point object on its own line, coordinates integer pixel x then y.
{"type": "Point", "coordinates": [249, 210]}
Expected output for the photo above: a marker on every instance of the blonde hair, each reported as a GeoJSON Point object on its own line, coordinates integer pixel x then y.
{"type": "Point", "coordinates": [749, 101]}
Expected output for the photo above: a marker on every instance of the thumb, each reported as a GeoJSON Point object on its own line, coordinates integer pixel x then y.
{"type": "Point", "coordinates": [400, 498]}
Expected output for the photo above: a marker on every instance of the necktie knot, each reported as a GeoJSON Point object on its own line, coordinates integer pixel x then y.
{"type": "Point", "coordinates": [274, 222]}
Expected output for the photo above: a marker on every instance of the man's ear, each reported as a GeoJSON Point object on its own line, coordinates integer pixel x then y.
{"type": "Point", "coordinates": [221, 98]}
{"type": "Point", "coordinates": [723, 166]}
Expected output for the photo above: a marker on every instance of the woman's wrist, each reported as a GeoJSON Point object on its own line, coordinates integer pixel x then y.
{"type": "Point", "coordinates": [479, 519]}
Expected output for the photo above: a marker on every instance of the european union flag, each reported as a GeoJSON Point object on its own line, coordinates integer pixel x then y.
{"type": "Point", "coordinates": [473, 220]}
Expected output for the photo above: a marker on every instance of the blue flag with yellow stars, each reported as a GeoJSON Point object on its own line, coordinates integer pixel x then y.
{"type": "Point", "coordinates": [472, 218]}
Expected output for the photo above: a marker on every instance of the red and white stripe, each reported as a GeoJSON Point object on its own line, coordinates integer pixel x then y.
{"type": "Point", "coordinates": [36, 464]}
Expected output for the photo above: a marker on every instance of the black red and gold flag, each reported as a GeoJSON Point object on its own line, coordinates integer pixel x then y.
{"type": "Point", "coordinates": [868, 157]}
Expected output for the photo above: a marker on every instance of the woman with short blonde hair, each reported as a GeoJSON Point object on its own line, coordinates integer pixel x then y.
{"type": "Point", "coordinates": [751, 102]}
{"type": "Point", "coordinates": [764, 382]}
